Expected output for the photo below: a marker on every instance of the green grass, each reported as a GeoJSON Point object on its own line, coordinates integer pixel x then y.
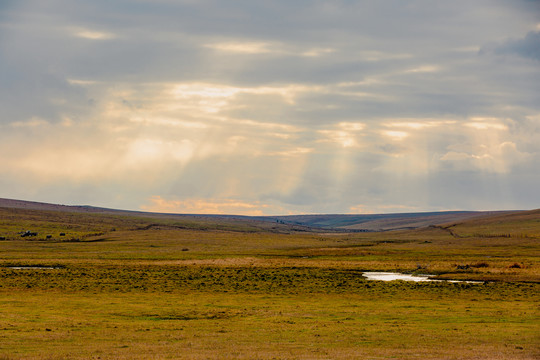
{"type": "Point", "coordinates": [391, 321]}
{"type": "Point", "coordinates": [157, 287]}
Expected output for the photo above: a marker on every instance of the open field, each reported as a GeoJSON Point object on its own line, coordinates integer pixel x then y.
{"type": "Point", "coordinates": [118, 286]}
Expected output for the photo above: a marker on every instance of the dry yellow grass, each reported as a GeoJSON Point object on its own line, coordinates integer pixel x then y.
{"type": "Point", "coordinates": [146, 287]}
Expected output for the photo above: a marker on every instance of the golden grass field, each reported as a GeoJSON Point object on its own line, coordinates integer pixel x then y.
{"type": "Point", "coordinates": [121, 286]}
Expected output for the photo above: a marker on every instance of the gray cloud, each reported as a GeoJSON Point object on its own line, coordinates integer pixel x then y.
{"type": "Point", "coordinates": [528, 47]}
{"type": "Point", "coordinates": [304, 106]}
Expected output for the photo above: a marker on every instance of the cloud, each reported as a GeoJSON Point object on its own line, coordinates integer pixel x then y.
{"type": "Point", "coordinates": [92, 34]}
{"type": "Point", "coordinates": [486, 124]}
{"type": "Point", "coordinates": [290, 106]}
{"type": "Point", "coordinates": [205, 206]}
{"type": "Point", "coordinates": [527, 47]}
{"type": "Point", "coordinates": [242, 47]}
{"type": "Point", "coordinates": [32, 123]}
{"type": "Point", "coordinates": [500, 158]}
{"type": "Point", "coordinates": [395, 135]}
{"type": "Point", "coordinates": [346, 134]}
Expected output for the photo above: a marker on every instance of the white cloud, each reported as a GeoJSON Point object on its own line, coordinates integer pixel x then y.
{"type": "Point", "coordinates": [243, 47]}
{"type": "Point", "coordinates": [499, 158]}
{"type": "Point", "coordinates": [424, 69]}
{"type": "Point", "coordinates": [395, 135]}
{"type": "Point", "coordinates": [32, 123]}
{"type": "Point", "coordinates": [346, 134]}
{"type": "Point", "coordinates": [342, 138]}
{"type": "Point", "coordinates": [486, 125]}
{"type": "Point", "coordinates": [417, 124]}
{"type": "Point", "coordinates": [268, 48]}
{"type": "Point", "coordinates": [81, 82]}
{"type": "Point", "coordinates": [316, 52]}
{"type": "Point", "coordinates": [92, 34]}
{"type": "Point", "coordinates": [297, 151]}
{"type": "Point", "coordinates": [151, 150]}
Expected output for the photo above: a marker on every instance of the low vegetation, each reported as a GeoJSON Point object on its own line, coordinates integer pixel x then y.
{"type": "Point", "coordinates": [146, 286]}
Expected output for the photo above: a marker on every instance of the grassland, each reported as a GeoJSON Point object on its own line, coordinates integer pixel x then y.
{"type": "Point", "coordinates": [118, 286]}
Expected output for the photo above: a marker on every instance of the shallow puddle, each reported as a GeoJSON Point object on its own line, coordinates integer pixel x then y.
{"type": "Point", "coordinates": [31, 267]}
{"type": "Point", "coordinates": [389, 276]}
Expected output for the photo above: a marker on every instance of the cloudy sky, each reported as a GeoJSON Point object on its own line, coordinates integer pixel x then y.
{"type": "Point", "coordinates": [271, 107]}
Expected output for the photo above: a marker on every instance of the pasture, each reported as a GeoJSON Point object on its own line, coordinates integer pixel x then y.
{"type": "Point", "coordinates": [119, 286]}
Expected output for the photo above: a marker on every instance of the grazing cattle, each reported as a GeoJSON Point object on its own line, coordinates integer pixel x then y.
{"type": "Point", "coordinates": [29, 233]}
{"type": "Point", "coordinates": [49, 236]}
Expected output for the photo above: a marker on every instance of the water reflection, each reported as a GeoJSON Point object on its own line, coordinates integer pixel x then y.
{"type": "Point", "coordinates": [390, 276]}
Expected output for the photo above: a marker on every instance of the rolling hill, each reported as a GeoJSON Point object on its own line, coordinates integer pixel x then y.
{"type": "Point", "coordinates": [320, 222]}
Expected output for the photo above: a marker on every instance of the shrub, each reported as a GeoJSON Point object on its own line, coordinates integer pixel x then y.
{"type": "Point", "coordinates": [480, 265]}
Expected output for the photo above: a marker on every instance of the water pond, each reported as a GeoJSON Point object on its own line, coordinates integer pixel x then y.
{"type": "Point", "coordinates": [390, 276]}
{"type": "Point", "coordinates": [31, 267]}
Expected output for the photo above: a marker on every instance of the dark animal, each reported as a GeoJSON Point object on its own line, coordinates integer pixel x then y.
{"type": "Point", "coordinates": [29, 233]}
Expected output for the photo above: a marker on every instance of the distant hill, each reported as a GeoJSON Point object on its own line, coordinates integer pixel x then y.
{"type": "Point", "coordinates": [33, 205]}
{"type": "Point", "coordinates": [384, 222]}
{"type": "Point", "coordinates": [195, 221]}
{"type": "Point", "coordinates": [515, 224]}
{"type": "Point", "coordinates": [321, 222]}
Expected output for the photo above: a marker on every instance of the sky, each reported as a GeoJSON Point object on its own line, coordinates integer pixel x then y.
{"type": "Point", "coordinates": [271, 107]}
